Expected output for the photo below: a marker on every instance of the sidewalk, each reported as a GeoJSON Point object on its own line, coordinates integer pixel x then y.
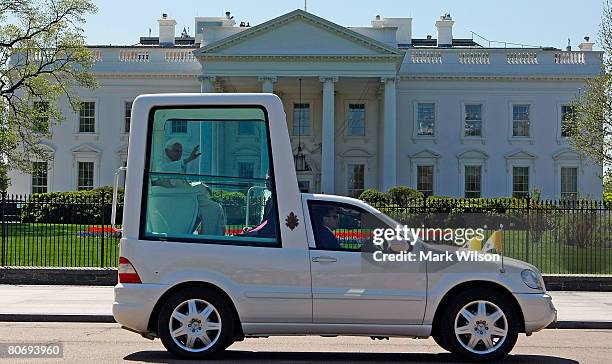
{"type": "Point", "coordinates": [94, 304]}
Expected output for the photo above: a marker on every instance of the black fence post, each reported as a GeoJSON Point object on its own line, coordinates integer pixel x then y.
{"type": "Point", "coordinates": [527, 241]}
{"type": "Point", "coordinates": [103, 232]}
{"type": "Point", "coordinates": [3, 223]}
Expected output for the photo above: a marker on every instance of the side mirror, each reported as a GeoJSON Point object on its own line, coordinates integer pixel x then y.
{"type": "Point", "coordinates": [398, 246]}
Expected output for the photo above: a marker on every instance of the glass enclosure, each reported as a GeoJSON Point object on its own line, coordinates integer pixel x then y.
{"type": "Point", "coordinates": [208, 181]}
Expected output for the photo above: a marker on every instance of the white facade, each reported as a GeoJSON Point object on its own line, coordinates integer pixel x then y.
{"type": "Point", "coordinates": [383, 76]}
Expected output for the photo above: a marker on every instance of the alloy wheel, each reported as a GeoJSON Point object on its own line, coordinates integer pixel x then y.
{"type": "Point", "coordinates": [195, 325]}
{"type": "Point", "coordinates": [481, 327]}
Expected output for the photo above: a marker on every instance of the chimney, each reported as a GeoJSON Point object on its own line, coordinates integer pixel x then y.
{"type": "Point", "coordinates": [166, 31]}
{"type": "Point", "coordinates": [445, 30]}
{"type": "Point", "coordinates": [378, 22]}
{"type": "Point", "coordinates": [404, 29]}
{"type": "Point", "coordinates": [586, 45]}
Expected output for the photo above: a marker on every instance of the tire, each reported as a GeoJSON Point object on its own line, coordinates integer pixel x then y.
{"type": "Point", "coordinates": [439, 339]}
{"type": "Point", "coordinates": [478, 336]}
{"type": "Point", "coordinates": [205, 321]}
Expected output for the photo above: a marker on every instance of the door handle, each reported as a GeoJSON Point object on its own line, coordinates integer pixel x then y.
{"type": "Point", "coordinates": [324, 259]}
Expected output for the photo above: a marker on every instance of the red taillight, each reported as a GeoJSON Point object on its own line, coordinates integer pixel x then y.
{"type": "Point", "coordinates": [127, 273]}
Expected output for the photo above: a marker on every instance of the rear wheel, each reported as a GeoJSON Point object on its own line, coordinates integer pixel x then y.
{"type": "Point", "coordinates": [196, 323]}
{"type": "Point", "coordinates": [480, 325]}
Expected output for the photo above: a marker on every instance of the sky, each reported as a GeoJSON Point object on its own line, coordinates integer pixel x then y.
{"type": "Point", "coordinates": [531, 22]}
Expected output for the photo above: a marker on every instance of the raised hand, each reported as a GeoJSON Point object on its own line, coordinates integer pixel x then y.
{"type": "Point", "coordinates": [195, 153]}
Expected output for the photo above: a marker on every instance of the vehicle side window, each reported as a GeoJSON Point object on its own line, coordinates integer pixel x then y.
{"type": "Point", "coordinates": [203, 183]}
{"type": "Point", "coordinates": [342, 227]}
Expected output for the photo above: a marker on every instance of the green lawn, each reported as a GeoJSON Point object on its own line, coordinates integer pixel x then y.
{"type": "Point", "coordinates": [63, 245]}
{"type": "Point", "coordinates": [552, 257]}
{"type": "Point", "coordinates": [57, 245]}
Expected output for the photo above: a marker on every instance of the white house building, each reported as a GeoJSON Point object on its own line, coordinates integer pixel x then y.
{"type": "Point", "coordinates": [367, 107]}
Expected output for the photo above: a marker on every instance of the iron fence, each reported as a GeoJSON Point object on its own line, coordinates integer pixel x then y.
{"type": "Point", "coordinates": [559, 237]}
{"type": "Point", "coordinates": [53, 230]}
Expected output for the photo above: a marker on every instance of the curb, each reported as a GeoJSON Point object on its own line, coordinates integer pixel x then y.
{"type": "Point", "coordinates": [15, 317]}
{"type": "Point", "coordinates": [581, 325]}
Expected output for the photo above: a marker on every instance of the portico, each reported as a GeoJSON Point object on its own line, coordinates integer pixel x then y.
{"type": "Point", "coordinates": [338, 69]}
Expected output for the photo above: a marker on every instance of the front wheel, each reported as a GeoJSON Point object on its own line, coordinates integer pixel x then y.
{"type": "Point", "coordinates": [195, 323]}
{"type": "Point", "coordinates": [480, 325]}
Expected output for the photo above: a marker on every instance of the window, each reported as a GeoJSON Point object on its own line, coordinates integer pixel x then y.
{"type": "Point", "coordinates": [39, 177]}
{"type": "Point", "coordinates": [246, 128]}
{"type": "Point", "coordinates": [127, 115]}
{"type": "Point", "coordinates": [473, 121]}
{"type": "Point", "coordinates": [520, 182]}
{"type": "Point", "coordinates": [87, 117]}
{"type": "Point", "coordinates": [210, 198]}
{"type": "Point", "coordinates": [342, 227]}
{"type": "Point", "coordinates": [86, 176]}
{"type": "Point", "coordinates": [356, 175]}
{"type": "Point", "coordinates": [426, 119]}
{"type": "Point", "coordinates": [520, 120]}
{"type": "Point", "coordinates": [473, 175]}
{"type": "Point", "coordinates": [41, 121]}
{"type": "Point", "coordinates": [569, 183]}
{"type": "Point", "coordinates": [356, 119]}
{"type": "Point", "coordinates": [301, 119]}
{"type": "Point", "coordinates": [178, 126]}
{"type": "Point", "coordinates": [246, 169]}
{"type": "Point", "coordinates": [567, 116]}
{"type": "Point", "coordinates": [304, 186]}
{"type": "Point", "coordinates": [425, 180]}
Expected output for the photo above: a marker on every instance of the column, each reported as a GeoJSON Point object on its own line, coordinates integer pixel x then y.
{"type": "Point", "coordinates": [327, 137]}
{"type": "Point", "coordinates": [208, 84]}
{"type": "Point", "coordinates": [389, 157]}
{"type": "Point", "coordinates": [267, 83]}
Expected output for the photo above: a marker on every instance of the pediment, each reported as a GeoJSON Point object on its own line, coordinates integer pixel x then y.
{"type": "Point", "coordinates": [473, 154]}
{"type": "Point", "coordinates": [520, 154]}
{"type": "Point", "coordinates": [566, 154]}
{"type": "Point", "coordinates": [86, 148]}
{"type": "Point", "coordinates": [356, 153]}
{"type": "Point", "coordinates": [298, 33]}
{"type": "Point", "coordinates": [425, 153]}
{"type": "Point", "coordinates": [122, 150]}
{"type": "Point", "coordinates": [48, 146]}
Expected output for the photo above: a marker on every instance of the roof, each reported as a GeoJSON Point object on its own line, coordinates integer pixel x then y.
{"type": "Point", "coordinates": [177, 41]}
{"type": "Point", "coordinates": [433, 42]}
{"type": "Point", "coordinates": [299, 14]}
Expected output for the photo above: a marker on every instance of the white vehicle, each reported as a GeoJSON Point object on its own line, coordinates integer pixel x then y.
{"type": "Point", "coordinates": [218, 244]}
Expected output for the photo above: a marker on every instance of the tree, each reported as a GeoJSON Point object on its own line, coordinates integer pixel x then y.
{"type": "Point", "coordinates": [590, 123]}
{"type": "Point", "coordinates": [43, 58]}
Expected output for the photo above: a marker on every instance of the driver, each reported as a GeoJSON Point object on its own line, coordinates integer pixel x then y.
{"type": "Point", "coordinates": [325, 221]}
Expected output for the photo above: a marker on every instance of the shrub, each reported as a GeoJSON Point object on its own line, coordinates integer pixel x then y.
{"type": "Point", "coordinates": [402, 195]}
{"type": "Point", "coordinates": [607, 196]}
{"type": "Point", "coordinates": [77, 207]}
{"type": "Point", "coordinates": [374, 197]}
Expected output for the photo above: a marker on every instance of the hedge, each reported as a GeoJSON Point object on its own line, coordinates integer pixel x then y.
{"type": "Point", "coordinates": [87, 207]}
{"type": "Point", "coordinates": [78, 207]}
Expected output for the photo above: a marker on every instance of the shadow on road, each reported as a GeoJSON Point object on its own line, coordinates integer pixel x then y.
{"type": "Point", "coordinates": [335, 357]}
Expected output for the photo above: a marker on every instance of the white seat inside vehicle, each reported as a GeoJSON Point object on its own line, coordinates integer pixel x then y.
{"type": "Point", "coordinates": [172, 210]}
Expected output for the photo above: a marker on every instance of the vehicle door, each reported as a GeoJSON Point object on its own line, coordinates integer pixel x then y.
{"type": "Point", "coordinates": [348, 286]}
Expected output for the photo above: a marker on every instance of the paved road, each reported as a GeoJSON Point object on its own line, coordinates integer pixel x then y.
{"type": "Point", "coordinates": [85, 300]}
{"type": "Point", "coordinates": [107, 343]}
